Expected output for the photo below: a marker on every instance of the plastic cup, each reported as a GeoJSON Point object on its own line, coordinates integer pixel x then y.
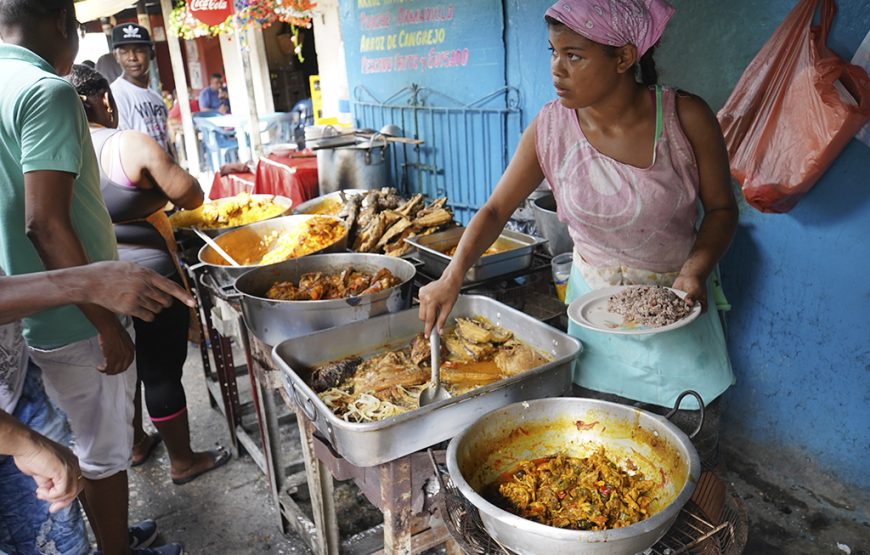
{"type": "Point", "coordinates": [561, 265]}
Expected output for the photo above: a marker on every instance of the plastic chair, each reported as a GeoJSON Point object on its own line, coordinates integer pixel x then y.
{"type": "Point", "coordinates": [220, 145]}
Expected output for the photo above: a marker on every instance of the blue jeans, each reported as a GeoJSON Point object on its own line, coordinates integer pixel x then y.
{"type": "Point", "coordinates": [26, 526]}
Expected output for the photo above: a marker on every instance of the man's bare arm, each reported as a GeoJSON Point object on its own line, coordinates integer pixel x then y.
{"type": "Point", "coordinates": [122, 287]}
{"type": "Point", "coordinates": [48, 197]}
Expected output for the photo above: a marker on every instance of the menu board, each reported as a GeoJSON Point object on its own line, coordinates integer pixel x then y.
{"type": "Point", "coordinates": [453, 48]}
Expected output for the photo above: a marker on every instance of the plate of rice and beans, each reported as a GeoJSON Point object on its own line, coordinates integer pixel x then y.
{"type": "Point", "coordinates": [633, 309]}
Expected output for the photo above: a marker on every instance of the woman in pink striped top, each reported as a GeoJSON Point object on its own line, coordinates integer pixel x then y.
{"type": "Point", "coordinates": [629, 163]}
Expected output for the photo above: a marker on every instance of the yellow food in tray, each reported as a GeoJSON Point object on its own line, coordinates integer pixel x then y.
{"type": "Point", "coordinates": [241, 209]}
{"type": "Point", "coordinates": [475, 353]}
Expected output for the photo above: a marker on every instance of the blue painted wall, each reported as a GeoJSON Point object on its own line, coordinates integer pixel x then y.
{"type": "Point", "coordinates": [800, 328]}
{"type": "Point", "coordinates": [433, 43]}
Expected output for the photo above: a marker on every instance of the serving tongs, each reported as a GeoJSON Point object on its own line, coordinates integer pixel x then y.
{"type": "Point", "coordinates": [435, 391]}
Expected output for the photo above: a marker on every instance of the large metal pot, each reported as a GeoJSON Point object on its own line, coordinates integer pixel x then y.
{"type": "Point", "coordinates": [500, 440]}
{"type": "Point", "coordinates": [273, 321]}
{"type": "Point", "coordinates": [364, 165]}
{"type": "Point", "coordinates": [554, 231]}
{"type": "Point", "coordinates": [247, 240]}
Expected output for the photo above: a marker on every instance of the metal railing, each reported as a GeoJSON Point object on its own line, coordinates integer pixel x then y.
{"type": "Point", "coordinates": [467, 145]}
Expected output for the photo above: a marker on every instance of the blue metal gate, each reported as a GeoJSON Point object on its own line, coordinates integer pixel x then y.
{"type": "Point", "coordinates": [466, 149]}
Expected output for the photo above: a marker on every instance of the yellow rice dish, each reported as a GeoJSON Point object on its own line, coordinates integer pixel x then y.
{"type": "Point", "coordinates": [241, 209]}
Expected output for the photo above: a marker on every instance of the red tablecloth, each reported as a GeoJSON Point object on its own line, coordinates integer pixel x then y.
{"type": "Point", "coordinates": [231, 184]}
{"type": "Point", "coordinates": [295, 178]}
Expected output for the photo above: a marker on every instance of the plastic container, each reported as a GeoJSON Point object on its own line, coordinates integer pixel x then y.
{"type": "Point", "coordinates": [561, 265]}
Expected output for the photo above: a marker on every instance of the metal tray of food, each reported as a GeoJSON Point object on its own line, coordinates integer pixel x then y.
{"type": "Point", "coordinates": [515, 253]}
{"type": "Point", "coordinates": [329, 204]}
{"type": "Point", "coordinates": [374, 443]}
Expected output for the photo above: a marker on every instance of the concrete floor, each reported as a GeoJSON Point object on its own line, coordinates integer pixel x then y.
{"type": "Point", "coordinates": [792, 509]}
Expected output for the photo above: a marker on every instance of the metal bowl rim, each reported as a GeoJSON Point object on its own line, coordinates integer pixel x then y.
{"type": "Point", "coordinates": [246, 267]}
{"type": "Point", "coordinates": [323, 302]}
{"type": "Point", "coordinates": [297, 210]}
{"type": "Point", "coordinates": [650, 524]}
{"type": "Point", "coordinates": [221, 230]}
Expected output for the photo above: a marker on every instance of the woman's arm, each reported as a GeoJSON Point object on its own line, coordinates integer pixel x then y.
{"type": "Point", "coordinates": [720, 209]}
{"type": "Point", "coordinates": [148, 165]}
{"type": "Point", "coordinates": [521, 177]}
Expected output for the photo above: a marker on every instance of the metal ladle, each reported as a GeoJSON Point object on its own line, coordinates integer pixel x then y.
{"type": "Point", "coordinates": [435, 391]}
{"type": "Point", "coordinates": [213, 244]}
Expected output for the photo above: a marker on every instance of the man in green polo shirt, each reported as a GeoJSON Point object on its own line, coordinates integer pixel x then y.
{"type": "Point", "coordinates": [52, 216]}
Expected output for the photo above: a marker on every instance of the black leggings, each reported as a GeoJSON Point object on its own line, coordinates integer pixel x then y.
{"type": "Point", "coordinates": [161, 349]}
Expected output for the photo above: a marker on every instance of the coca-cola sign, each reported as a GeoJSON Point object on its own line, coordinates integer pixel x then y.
{"type": "Point", "coordinates": [210, 12]}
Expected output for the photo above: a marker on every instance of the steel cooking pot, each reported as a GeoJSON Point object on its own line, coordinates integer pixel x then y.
{"type": "Point", "coordinates": [365, 165]}
{"type": "Point", "coordinates": [273, 321]}
{"type": "Point", "coordinates": [500, 440]}
{"type": "Point", "coordinates": [547, 221]}
{"type": "Point", "coordinates": [242, 242]}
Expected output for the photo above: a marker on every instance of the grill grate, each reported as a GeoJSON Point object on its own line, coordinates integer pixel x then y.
{"type": "Point", "coordinates": [691, 534]}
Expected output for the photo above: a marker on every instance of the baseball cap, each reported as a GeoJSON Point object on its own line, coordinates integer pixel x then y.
{"type": "Point", "coordinates": [130, 33]}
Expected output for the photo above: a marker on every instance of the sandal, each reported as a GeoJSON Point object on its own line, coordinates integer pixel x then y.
{"type": "Point", "coordinates": [155, 441]}
{"type": "Point", "coordinates": [220, 457]}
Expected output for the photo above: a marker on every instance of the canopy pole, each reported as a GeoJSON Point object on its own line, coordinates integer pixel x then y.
{"type": "Point", "coordinates": [253, 115]}
{"type": "Point", "coordinates": [190, 142]}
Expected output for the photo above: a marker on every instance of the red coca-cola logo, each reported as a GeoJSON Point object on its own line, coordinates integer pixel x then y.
{"type": "Point", "coordinates": [210, 12]}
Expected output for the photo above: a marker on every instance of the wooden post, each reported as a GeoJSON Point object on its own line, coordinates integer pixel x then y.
{"type": "Point", "coordinates": [190, 143]}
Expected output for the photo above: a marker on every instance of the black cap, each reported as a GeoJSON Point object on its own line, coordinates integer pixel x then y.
{"type": "Point", "coordinates": [130, 33]}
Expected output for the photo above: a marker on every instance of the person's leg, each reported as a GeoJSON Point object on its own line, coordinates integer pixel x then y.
{"type": "Point", "coordinates": [100, 412]}
{"type": "Point", "coordinates": [161, 349]}
{"type": "Point", "coordinates": [26, 525]}
{"type": "Point", "coordinates": [143, 442]}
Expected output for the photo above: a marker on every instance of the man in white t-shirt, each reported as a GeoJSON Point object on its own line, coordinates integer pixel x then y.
{"type": "Point", "coordinates": [139, 107]}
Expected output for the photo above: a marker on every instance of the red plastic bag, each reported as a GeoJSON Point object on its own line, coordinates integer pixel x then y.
{"type": "Point", "coordinates": [793, 111]}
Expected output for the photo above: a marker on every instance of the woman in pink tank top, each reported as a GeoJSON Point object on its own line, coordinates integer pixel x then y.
{"type": "Point", "coordinates": [629, 162]}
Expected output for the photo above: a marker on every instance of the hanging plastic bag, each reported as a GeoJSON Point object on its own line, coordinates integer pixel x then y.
{"type": "Point", "coordinates": [793, 111]}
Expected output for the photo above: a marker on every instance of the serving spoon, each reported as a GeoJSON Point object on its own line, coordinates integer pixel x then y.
{"type": "Point", "coordinates": [213, 244]}
{"type": "Point", "coordinates": [435, 391]}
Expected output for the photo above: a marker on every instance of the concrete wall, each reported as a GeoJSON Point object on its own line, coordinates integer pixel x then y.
{"type": "Point", "coordinates": [800, 330]}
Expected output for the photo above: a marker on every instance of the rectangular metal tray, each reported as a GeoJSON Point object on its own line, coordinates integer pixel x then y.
{"type": "Point", "coordinates": [374, 443]}
{"type": "Point", "coordinates": [516, 256]}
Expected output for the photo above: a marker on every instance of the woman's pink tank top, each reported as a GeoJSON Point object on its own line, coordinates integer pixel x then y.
{"type": "Point", "coordinates": [617, 214]}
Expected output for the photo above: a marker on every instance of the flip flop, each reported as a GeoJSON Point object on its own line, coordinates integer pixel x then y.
{"type": "Point", "coordinates": [220, 456]}
{"type": "Point", "coordinates": [155, 441]}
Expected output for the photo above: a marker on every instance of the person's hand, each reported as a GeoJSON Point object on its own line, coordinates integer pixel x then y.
{"type": "Point", "coordinates": [436, 302]}
{"type": "Point", "coordinates": [131, 289]}
{"type": "Point", "coordinates": [695, 288]}
{"type": "Point", "coordinates": [116, 346]}
{"type": "Point", "coordinates": [54, 469]}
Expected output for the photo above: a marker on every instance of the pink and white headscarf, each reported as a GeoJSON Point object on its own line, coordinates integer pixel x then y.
{"type": "Point", "coordinates": [615, 22]}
